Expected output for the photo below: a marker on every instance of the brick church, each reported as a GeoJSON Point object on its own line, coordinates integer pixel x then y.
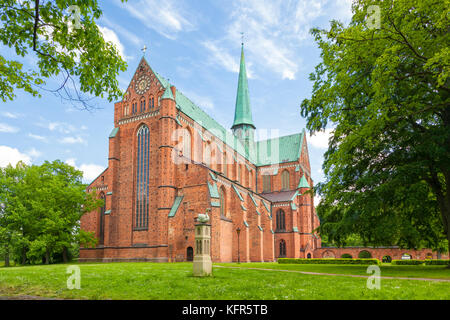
{"type": "Point", "coordinates": [169, 161]}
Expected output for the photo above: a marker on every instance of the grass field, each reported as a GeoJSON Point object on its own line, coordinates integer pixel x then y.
{"type": "Point", "coordinates": [387, 270]}
{"type": "Point", "coordinates": [175, 282]}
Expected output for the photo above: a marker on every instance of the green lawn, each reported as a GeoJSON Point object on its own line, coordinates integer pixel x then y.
{"type": "Point", "coordinates": [175, 281]}
{"type": "Point", "coordinates": [387, 270]}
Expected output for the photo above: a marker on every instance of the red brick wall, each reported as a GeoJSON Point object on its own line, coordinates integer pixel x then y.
{"type": "Point", "coordinates": [378, 253]}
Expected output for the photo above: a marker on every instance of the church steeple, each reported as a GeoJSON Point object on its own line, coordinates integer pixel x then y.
{"type": "Point", "coordinates": [243, 111]}
{"type": "Point", "coordinates": [243, 127]}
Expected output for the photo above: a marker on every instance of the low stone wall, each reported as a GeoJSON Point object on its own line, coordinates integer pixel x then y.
{"type": "Point", "coordinates": [394, 253]}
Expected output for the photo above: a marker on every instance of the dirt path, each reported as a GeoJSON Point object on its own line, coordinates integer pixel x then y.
{"type": "Point", "coordinates": [26, 298]}
{"type": "Point", "coordinates": [338, 275]}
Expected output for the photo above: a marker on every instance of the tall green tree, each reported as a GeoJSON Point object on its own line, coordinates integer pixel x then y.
{"type": "Point", "coordinates": [384, 88]}
{"type": "Point", "coordinates": [67, 43]}
{"type": "Point", "coordinates": [41, 210]}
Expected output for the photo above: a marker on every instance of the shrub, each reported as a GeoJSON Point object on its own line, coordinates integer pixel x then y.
{"type": "Point", "coordinates": [407, 262]}
{"type": "Point", "coordinates": [364, 255]}
{"type": "Point", "coordinates": [346, 256]}
{"type": "Point", "coordinates": [328, 261]}
{"type": "Point", "coordinates": [438, 262]}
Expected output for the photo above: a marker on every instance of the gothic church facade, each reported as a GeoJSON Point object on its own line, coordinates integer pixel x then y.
{"type": "Point", "coordinates": [169, 161]}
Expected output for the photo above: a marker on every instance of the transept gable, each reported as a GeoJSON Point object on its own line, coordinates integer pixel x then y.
{"type": "Point", "coordinates": [144, 83]}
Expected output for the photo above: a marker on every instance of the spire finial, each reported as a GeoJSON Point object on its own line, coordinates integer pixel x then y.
{"type": "Point", "coordinates": [144, 49]}
{"type": "Point", "coordinates": [242, 38]}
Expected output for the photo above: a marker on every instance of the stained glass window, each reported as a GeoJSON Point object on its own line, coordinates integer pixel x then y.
{"type": "Point", "coordinates": [142, 177]}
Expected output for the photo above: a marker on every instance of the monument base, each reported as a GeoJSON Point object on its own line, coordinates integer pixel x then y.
{"type": "Point", "coordinates": [202, 266]}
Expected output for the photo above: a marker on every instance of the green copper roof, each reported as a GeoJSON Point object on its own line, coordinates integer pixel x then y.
{"type": "Point", "coordinates": [243, 112]}
{"type": "Point", "coordinates": [176, 205]}
{"type": "Point", "coordinates": [237, 192]}
{"type": "Point", "coordinates": [303, 183]}
{"type": "Point", "coordinates": [212, 176]}
{"type": "Point", "coordinates": [279, 150]}
{"type": "Point", "coordinates": [285, 149]}
{"type": "Point", "coordinates": [213, 191]}
{"type": "Point", "coordinates": [215, 204]}
{"type": "Point", "coordinates": [253, 199]}
{"type": "Point", "coordinates": [168, 93]}
{"type": "Point", "coordinates": [265, 205]}
{"type": "Point", "coordinates": [114, 132]}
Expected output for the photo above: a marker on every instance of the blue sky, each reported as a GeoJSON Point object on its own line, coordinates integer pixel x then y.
{"type": "Point", "coordinates": [196, 44]}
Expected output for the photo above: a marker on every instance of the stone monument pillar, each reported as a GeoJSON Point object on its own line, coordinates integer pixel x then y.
{"type": "Point", "coordinates": [202, 253]}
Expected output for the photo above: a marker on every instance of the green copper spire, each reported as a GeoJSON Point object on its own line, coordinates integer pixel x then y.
{"type": "Point", "coordinates": [243, 112]}
{"type": "Point", "coordinates": [303, 183]}
{"type": "Point", "coordinates": [168, 93]}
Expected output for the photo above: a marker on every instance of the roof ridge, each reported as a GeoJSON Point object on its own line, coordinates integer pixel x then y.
{"type": "Point", "coordinates": [289, 135]}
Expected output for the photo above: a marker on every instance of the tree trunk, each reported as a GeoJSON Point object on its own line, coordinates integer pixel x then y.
{"type": "Point", "coordinates": [7, 259]}
{"type": "Point", "coordinates": [443, 199]}
{"type": "Point", "coordinates": [47, 256]}
{"type": "Point", "coordinates": [24, 256]}
{"type": "Point", "coordinates": [64, 253]}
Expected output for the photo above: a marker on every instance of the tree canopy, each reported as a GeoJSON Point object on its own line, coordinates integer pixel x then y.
{"type": "Point", "coordinates": [384, 89]}
{"type": "Point", "coordinates": [66, 41]}
{"type": "Point", "coordinates": [40, 211]}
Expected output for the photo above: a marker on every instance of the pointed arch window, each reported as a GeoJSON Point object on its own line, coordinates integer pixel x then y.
{"type": "Point", "coordinates": [239, 173]}
{"type": "Point", "coordinates": [142, 105]}
{"type": "Point", "coordinates": [266, 183]}
{"type": "Point", "coordinates": [207, 155]}
{"type": "Point", "coordinates": [285, 180]}
{"type": "Point", "coordinates": [225, 164]}
{"type": "Point", "coordinates": [223, 203]}
{"type": "Point", "coordinates": [142, 177]}
{"type": "Point", "coordinates": [151, 103]}
{"type": "Point", "coordinates": [187, 144]}
{"type": "Point", "coordinates": [281, 220]}
{"type": "Point", "coordinates": [101, 234]}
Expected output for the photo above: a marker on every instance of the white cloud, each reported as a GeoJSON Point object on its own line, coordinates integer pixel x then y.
{"type": "Point", "coordinates": [38, 137]}
{"type": "Point", "coordinates": [90, 171]}
{"type": "Point", "coordinates": [320, 139]}
{"type": "Point", "coordinates": [12, 156]}
{"type": "Point", "coordinates": [122, 31]}
{"type": "Point", "coordinates": [275, 32]}
{"type": "Point", "coordinates": [10, 115]}
{"type": "Point", "coordinates": [168, 17]}
{"type": "Point", "coordinates": [317, 200]}
{"type": "Point", "coordinates": [73, 140]}
{"type": "Point", "coordinates": [220, 56]}
{"type": "Point", "coordinates": [110, 36]}
{"type": "Point", "coordinates": [6, 128]}
{"type": "Point", "coordinates": [61, 127]}
{"type": "Point", "coordinates": [33, 153]}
